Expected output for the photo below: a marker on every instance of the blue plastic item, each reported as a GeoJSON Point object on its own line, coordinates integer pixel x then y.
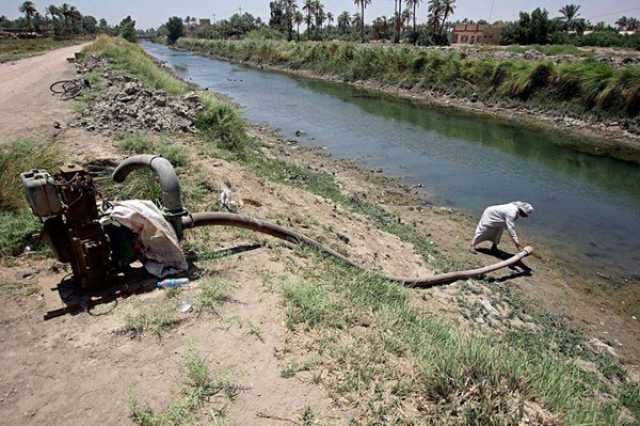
{"type": "Point", "coordinates": [172, 283]}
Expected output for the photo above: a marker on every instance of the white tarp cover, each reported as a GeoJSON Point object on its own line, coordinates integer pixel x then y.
{"type": "Point", "coordinates": [162, 254]}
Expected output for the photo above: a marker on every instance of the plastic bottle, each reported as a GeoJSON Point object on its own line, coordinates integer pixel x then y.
{"type": "Point", "coordinates": [172, 283]}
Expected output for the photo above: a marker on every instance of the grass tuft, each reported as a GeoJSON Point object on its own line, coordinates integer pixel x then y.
{"type": "Point", "coordinates": [20, 157]}
{"type": "Point", "coordinates": [145, 144]}
{"type": "Point", "coordinates": [211, 295]}
{"type": "Point", "coordinates": [16, 230]}
{"type": "Point", "coordinates": [156, 319]}
{"type": "Point", "coordinates": [200, 385]}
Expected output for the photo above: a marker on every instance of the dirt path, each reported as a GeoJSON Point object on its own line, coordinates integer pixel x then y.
{"type": "Point", "coordinates": [28, 109]}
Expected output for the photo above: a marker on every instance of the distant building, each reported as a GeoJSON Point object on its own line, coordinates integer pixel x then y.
{"type": "Point", "coordinates": [477, 34]}
{"type": "Point", "coordinates": [205, 23]}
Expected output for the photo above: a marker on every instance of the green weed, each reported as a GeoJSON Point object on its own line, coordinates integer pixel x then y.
{"type": "Point", "coordinates": [200, 385]}
{"type": "Point", "coordinates": [144, 144]}
{"type": "Point", "coordinates": [19, 157]}
{"type": "Point", "coordinates": [211, 295]}
{"type": "Point", "coordinates": [16, 230]}
{"type": "Point", "coordinates": [156, 319]}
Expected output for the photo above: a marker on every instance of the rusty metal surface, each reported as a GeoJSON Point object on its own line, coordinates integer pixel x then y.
{"type": "Point", "coordinates": [77, 236]}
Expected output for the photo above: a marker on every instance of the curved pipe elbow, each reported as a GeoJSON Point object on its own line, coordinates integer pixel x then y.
{"type": "Point", "coordinates": [169, 182]}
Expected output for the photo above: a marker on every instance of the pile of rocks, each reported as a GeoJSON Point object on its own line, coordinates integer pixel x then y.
{"type": "Point", "coordinates": [126, 105]}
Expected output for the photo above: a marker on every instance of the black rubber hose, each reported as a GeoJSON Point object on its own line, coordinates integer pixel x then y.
{"type": "Point", "coordinates": [261, 226]}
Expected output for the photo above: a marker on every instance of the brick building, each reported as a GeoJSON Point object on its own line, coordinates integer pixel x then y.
{"type": "Point", "coordinates": [476, 34]}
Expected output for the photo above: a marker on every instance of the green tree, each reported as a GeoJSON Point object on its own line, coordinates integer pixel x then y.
{"type": "Point", "coordinates": [413, 4]}
{"type": "Point", "coordinates": [363, 5]}
{"type": "Point", "coordinates": [103, 26]}
{"type": "Point", "coordinates": [435, 14]}
{"type": "Point", "coordinates": [29, 10]}
{"type": "Point", "coordinates": [397, 8]}
{"type": "Point", "coordinates": [290, 7]}
{"type": "Point", "coordinates": [569, 14]}
{"type": "Point", "coordinates": [298, 19]}
{"type": "Point", "coordinates": [448, 8]}
{"type": "Point", "coordinates": [65, 12]}
{"type": "Point", "coordinates": [320, 17]}
{"type": "Point", "coordinates": [127, 29]}
{"type": "Point", "coordinates": [344, 22]}
{"type": "Point", "coordinates": [89, 24]}
{"type": "Point", "coordinates": [309, 8]}
{"type": "Point", "coordinates": [622, 23]}
{"type": "Point", "coordinates": [175, 29]}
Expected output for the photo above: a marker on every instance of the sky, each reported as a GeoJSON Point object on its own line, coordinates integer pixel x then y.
{"type": "Point", "coordinates": [152, 13]}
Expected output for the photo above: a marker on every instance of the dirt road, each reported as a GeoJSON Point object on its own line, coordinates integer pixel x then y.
{"type": "Point", "coordinates": [28, 109]}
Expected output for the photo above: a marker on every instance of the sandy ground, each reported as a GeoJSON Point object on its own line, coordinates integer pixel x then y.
{"type": "Point", "coordinates": [80, 369]}
{"type": "Point", "coordinates": [28, 109]}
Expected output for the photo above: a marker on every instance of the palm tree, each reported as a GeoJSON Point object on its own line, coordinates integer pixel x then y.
{"type": "Point", "coordinates": [320, 17]}
{"type": "Point", "coordinates": [569, 14]}
{"type": "Point", "coordinates": [330, 19]}
{"type": "Point", "coordinates": [413, 4]}
{"type": "Point", "coordinates": [448, 7]}
{"type": "Point", "coordinates": [65, 12]}
{"type": "Point", "coordinates": [405, 18]}
{"type": "Point", "coordinates": [309, 7]}
{"type": "Point", "coordinates": [356, 20]}
{"type": "Point", "coordinates": [435, 12]}
{"type": "Point", "coordinates": [622, 23]}
{"type": "Point", "coordinates": [363, 5]}
{"type": "Point", "coordinates": [298, 18]}
{"type": "Point", "coordinates": [397, 6]}
{"type": "Point", "coordinates": [344, 22]}
{"type": "Point", "coordinates": [76, 17]}
{"type": "Point", "coordinates": [633, 24]}
{"type": "Point", "coordinates": [29, 10]}
{"type": "Point", "coordinates": [290, 10]}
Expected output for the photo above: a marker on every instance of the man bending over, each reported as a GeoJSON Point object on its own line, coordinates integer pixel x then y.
{"type": "Point", "coordinates": [495, 219]}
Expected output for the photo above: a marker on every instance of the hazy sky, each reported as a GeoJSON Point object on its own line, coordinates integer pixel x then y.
{"type": "Point", "coordinates": [150, 13]}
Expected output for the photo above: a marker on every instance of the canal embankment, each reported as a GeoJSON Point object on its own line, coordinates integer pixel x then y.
{"type": "Point", "coordinates": [590, 101]}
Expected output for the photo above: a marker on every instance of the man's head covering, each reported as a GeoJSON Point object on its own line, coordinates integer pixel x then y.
{"type": "Point", "coordinates": [525, 208]}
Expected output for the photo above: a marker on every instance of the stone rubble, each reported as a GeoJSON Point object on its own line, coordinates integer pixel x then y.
{"type": "Point", "coordinates": [126, 105]}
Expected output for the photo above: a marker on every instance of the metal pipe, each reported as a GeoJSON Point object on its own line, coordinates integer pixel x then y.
{"type": "Point", "coordinates": [261, 226]}
{"type": "Point", "coordinates": [169, 184]}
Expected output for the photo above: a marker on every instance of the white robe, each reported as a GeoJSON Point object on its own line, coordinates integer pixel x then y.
{"type": "Point", "coordinates": [493, 222]}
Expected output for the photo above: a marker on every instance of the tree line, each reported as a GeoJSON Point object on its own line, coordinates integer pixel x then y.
{"type": "Point", "coordinates": [310, 20]}
{"type": "Point", "coordinates": [65, 21]}
{"type": "Point", "coordinates": [570, 27]}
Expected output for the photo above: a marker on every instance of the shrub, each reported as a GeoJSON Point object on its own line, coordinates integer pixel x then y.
{"type": "Point", "coordinates": [20, 157]}
{"type": "Point", "coordinates": [223, 123]}
{"type": "Point", "coordinates": [16, 230]}
{"type": "Point", "coordinates": [143, 144]}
